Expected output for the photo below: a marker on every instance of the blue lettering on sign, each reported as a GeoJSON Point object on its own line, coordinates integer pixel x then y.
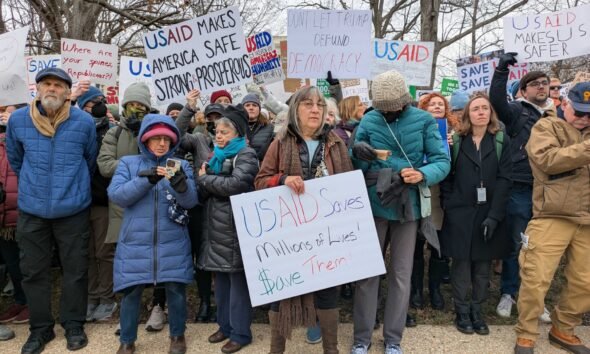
{"type": "Point", "coordinates": [140, 69]}
{"type": "Point", "coordinates": [38, 65]}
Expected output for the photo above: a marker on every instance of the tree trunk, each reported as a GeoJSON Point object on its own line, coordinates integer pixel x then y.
{"type": "Point", "coordinates": [429, 28]}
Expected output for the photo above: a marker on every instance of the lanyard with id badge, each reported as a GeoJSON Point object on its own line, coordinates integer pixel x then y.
{"type": "Point", "coordinates": [481, 190]}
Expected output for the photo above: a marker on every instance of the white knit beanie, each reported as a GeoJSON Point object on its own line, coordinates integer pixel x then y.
{"type": "Point", "coordinates": [390, 93]}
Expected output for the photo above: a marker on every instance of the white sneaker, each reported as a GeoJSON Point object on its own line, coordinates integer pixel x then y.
{"type": "Point", "coordinates": [546, 316]}
{"type": "Point", "coordinates": [504, 308]}
{"type": "Point", "coordinates": [157, 320]}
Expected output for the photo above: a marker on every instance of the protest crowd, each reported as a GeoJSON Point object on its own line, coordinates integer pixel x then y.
{"type": "Point", "coordinates": [141, 198]}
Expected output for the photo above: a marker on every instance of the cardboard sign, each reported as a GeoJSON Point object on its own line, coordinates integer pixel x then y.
{"type": "Point", "coordinates": [549, 36]}
{"type": "Point", "coordinates": [133, 70]}
{"type": "Point", "coordinates": [96, 62]}
{"type": "Point", "coordinates": [264, 59]}
{"type": "Point", "coordinates": [207, 53]}
{"type": "Point", "coordinates": [14, 88]}
{"type": "Point", "coordinates": [411, 59]}
{"type": "Point", "coordinates": [475, 72]}
{"type": "Point", "coordinates": [329, 40]}
{"type": "Point", "coordinates": [448, 86]}
{"type": "Point", "coordinates": [37, 63]}
{"type": "Point", "coordinates": [296, 244]}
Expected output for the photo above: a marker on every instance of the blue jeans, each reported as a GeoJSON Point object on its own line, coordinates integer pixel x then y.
{"type": "Point", "coordinates": [518, 215]}
{"type": "Point", "coordinates": [131, 302]}
{"type": "Point", "coordinates": [234, 309]}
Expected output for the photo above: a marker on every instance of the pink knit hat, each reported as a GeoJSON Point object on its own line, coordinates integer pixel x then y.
{"type": "Point", "coordinates": [159, 129]}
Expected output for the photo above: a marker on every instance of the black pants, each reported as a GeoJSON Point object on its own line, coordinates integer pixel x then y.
{"type": "Point", "coordinates": [466, 274]}
{"type": "Point", "coordinates": [10, 254]}
{"type": "Point", "coordinates": [35, 237]}
{"type": "Point", "coordinates": [203, 277]}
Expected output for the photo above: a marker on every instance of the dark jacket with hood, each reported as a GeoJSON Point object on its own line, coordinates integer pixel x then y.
{"type": "Point", "coordinates": [260, 137]}
{"type": "Point", "coordinates": [152, 248]}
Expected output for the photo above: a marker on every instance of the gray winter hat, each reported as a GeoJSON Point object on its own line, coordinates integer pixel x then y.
{"type": "Point", "coordinates": [137, 92]}
{"type": "Point", "coordinates": [390, 93]}
{"type": "Point", "coordinates": [251, 97]}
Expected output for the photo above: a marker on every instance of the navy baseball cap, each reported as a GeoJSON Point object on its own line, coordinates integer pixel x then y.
{"type": "Point", "coordinates": [55, 72]}
{"type": "Point", "coordinates": [579, 96]}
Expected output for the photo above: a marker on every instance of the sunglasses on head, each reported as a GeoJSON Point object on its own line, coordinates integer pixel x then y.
{"type": "Point", "coordinates": [555, 87]}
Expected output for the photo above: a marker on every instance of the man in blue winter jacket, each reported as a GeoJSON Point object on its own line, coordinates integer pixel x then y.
{"type": "Point", "coordinates": [52, 148]}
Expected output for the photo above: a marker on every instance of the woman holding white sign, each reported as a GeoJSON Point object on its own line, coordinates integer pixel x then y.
{"type": "Point", "coordinates": [304, 149]}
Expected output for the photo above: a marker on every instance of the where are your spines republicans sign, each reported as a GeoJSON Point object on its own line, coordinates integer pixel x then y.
{"type": "Point", "coordinates": [206, 53]}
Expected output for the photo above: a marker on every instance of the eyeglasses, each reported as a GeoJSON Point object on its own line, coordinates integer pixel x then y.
{"type": "Point", "coordinates": [308, 104]}
{"type": "Point", "coordinates": [580, 114]}
{"type": "Point", "coordinates": [538, 83]}
{"type": "Point", "coordinates": [552, 88]}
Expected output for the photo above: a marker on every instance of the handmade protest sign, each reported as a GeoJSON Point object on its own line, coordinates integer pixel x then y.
{"type": "Point", "coordinates": [92, 61]}
{"type": "Point", "coordinates": [295, 244]}
{"type": "Point", "coordinates": [13, 72]}
{"type": "Point", "coordinates": [206, 53]}
{"type": "Point", "coordinates": [411, 59]}
{"type": "Point", "coordinates": [549, 36]}
{"type": "Point", "coordinates": [475, 72]}
{"type": "Point", "coordinates": [133, 70]}
{"type": "Point", "coordinates": [37, 63]}
{"type": "Point", "coordinates": [448, 86]}
{"type": "Point", "coordinates": [359, 87]}
{"type": "Point", "coordinates": [328, 40]}
{"type": "Point", "coordinates": [581, 77]}
{"type": "Point", "coordinates": [264, 59]}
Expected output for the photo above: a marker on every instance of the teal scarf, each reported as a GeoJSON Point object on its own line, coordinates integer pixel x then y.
{"type": "Point", "coordinates": [227, 152]}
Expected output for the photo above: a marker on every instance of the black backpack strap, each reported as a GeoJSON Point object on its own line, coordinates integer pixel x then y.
{"type": "Point", "coordinates": [118, 132]}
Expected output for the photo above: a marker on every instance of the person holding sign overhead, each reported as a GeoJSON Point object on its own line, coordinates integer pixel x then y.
{"type": "Point", "coordinates": [398, 189]}
{"type": "Point", "coordinates": [304, 149]}
{"type": "Point", "coordinates": [230, 171]}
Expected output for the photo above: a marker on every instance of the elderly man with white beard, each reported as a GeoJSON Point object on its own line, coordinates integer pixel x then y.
{"type": "Point", "coordinates": [52, 148]}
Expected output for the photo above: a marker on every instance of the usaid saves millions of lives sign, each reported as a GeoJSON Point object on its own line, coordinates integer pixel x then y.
{"type": "Point", "coordinates": [206, 53]}
{"type": "Point", "coordinates": [295, 244]}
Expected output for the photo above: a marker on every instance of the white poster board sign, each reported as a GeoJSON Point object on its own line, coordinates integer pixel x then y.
{"type": "Point", "coordinates": [329, 40]}
{"type": "Point", "coordinates": [237, 95]}
{"type": "Point", "coordinates": [296, 244]}
{"type": "Point", "coordinates": [358, 87]}
{"type": "Point", "coordinates": [133, 70]}
{"type": "Point", "coordinates": [411, 59]}
{"type": "Point", "coordinates": [84, 60]}
{"type": "Point", "coordinates": [264, 59]}
{"type": "Point", "coordinates": [549, 36]}
{"type": "Point", "coordinates": [37, 63]}
{"type": "Point", "coordinates": [475, 72]}
{"type": "Point", "coordinates": [13, 73]}
{"type": "Point", "coordinates": [207, 53]}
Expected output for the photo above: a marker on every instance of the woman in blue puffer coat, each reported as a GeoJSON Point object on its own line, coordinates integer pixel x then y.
{"type": "Point", "coordinates": [154, 246]}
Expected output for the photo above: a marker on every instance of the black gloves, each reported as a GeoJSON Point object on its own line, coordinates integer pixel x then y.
{"type": "Point", "coordinates": [151, 175]}
{"type": "Point", "coordinates": [364, 151]}
{"type": "Point", "coordinates": [331, 80]}
{"type": "Point", "coordinates": [505, 60]}
{"type": "Point", "coordinates": [488, 227]}
{"type": "Point", "coordinates": [178, 181]}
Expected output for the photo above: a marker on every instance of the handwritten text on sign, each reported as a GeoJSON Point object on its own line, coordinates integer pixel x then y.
{"type": "Point", "coordinates": [478, 76]}
{"type": "Point", "coordinates": [206, 53]}
{"type": "Point", "coordinates": [322, 40]}
{"type": "Point", "coordinates": [264, 59]}
{"type": "Point", "coordinates": [412, 59]}
{"type": "Point", "coordinates": [37, 63]}
{"type": "Point", "coordinates": [13, 75]}
{"type": "Point", "coordinates": [296, 244]}
{"type": "Point", "coordinates": [96, 62]}
{"type": "Point", "coordinates": [549, 36]}
{"type": "Point", "coordinates": [133, 70]}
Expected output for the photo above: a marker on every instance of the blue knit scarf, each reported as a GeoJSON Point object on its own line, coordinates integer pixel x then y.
{"type": "Point", "coordinates": [227, 152]}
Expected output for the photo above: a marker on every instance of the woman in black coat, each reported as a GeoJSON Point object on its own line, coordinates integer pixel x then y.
{"type": "Point", "coordinates": [474, 197]}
